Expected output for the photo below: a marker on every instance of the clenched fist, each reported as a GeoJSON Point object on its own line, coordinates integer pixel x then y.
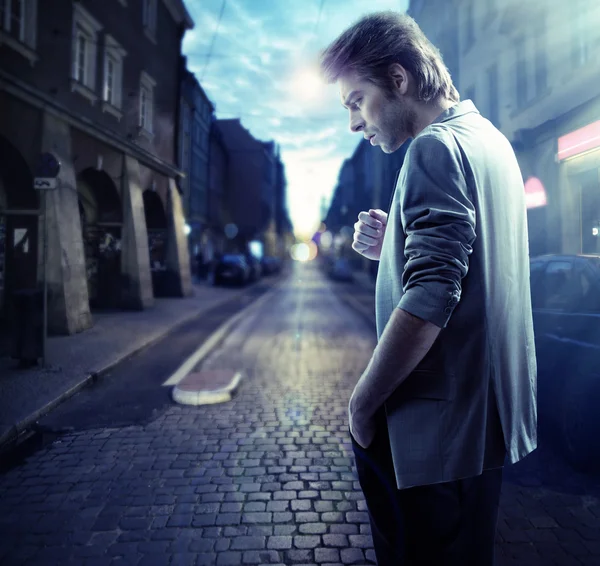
{"type": "Point", "coordinates": [369, 232]}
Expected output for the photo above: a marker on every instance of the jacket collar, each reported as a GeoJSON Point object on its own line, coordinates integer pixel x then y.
{"type": "Point", "coordinates": [459, 109]}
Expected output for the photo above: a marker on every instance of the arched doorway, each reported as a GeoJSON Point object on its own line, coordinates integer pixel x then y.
{"type": "Point", "coordinates": [156, 224]}
{"type": "Point", "coordinates": [101, 223]}
{"type": "Point", "coordinates": [19, 210]}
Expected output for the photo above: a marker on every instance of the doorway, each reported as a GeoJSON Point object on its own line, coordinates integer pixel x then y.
{"type": "Point", "coordinates": [19, 210]}
{"type": "Point", "coordinates": [156, 225]}
{"type": "Point", "coordinates": [589, 183]}
{"type": "Point", "coordinates": [101, 224]}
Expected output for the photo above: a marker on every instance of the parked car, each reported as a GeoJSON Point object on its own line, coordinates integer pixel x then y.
{"type": "Point", "coordinates": [231, 268]}
{"type": "Point", "coordinates": [255, 267]}
{"type": "Point", "coordinates": [566, 311]}
{"type": "Point", "coordinates": [340, 270]}
{"type": "Point", "coordinates": [270, 265]}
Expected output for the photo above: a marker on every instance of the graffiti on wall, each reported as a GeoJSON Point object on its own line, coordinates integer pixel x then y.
{"type": "Point", "coordinates": [103, 264]}
{"type": "Point", "coordinates": [157, 246]}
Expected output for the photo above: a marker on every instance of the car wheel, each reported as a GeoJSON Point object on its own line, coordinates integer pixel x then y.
{"type": "Point", "coordinates": [579, 423]}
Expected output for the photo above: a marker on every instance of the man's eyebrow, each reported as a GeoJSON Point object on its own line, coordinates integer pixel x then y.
{"type": "Point", "coordinates": [352, 95]}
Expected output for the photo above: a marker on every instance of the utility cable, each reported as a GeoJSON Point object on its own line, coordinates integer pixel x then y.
{"type": "Point", "coordinates": [212, 42]}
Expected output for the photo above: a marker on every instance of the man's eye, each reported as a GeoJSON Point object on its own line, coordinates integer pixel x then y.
{"type": "Point", "coordinates": [357, 102]}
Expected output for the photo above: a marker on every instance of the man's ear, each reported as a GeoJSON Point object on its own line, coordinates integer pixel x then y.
{"type": "Point", "coordinates": [399, 76]}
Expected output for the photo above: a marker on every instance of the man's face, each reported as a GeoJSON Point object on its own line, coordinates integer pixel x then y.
{"type": "Point", "coordinates": [386, 119]}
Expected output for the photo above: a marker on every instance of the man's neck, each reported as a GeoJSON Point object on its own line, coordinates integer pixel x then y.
{"type": "Point", "coordinates": [428, 112]}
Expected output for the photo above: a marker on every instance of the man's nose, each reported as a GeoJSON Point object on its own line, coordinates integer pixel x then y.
{"type": "Point", "coordinates": [356, 124]}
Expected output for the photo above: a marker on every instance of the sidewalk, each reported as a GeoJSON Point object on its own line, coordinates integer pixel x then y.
{"type": "Point", "coordinates": [75, 360]}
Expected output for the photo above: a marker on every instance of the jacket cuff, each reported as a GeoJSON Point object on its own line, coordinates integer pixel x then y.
{"type": "Point", "coordinates": [431, 307]}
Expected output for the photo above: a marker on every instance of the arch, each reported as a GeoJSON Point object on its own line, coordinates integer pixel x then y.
{"type": "Point", "coordinates": [101, 216]}
{"type": "Point", "coordinates": [99, 197]}
{"type": "Point", "coordinates": [18, 230]}
{"type": "Point", "coordinates": [156, 218]}
{"type": "Point", "coordinates": [156, 225]}
{"type": "Point", "coordinates": [16, 178]}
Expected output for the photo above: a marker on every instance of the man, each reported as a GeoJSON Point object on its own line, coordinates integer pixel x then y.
{"type": "Point", "coordinates": [450, 390]}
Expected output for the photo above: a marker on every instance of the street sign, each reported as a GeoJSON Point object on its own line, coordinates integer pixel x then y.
{"type": "Point", "coordinates": [48, 166]}
{"type": "Point", "coordinates": [44, 183]}
{"type": "Point", "coordinates": [46, 172]}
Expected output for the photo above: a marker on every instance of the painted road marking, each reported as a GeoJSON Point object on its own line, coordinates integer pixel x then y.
{"type": "Point", "coordinates": [215, 338]}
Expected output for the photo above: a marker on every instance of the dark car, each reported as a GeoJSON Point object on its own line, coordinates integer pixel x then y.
{"type": "Point", "coordinates": [231, 268]}
{"type": "Point", "coordinates": [255, 267]}
{"type": "Point", "coordinates": [270, 265]}
{"type": "Point", "coordinates": [565, 291]}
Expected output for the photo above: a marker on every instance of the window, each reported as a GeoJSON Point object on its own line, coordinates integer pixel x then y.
{"type": "Point", "coordinates": [558, 285]}
{"type": "Point", "coordinates": [82, 45]}
{"type": "Point", "coordinates": [469, 25]}
{"type": "Point", "coordinates": [85, 41]}
{"type": "Point", "coordinates": [580, 32]}
{"type": "Point", "coordinates": [149, 9]}
{"type": "Point", "coordinates": [521, 73]}
{"type": "Point", "coordinates": [590, 300]}
{"type": "Point", "coordinates": [492, 80]}
{"type": "Point", "coordinates": [113, 75]}
{"type": "Point", "coordinates": [146, 118]}
{"type": "Point", "coordinates": [18, 26]}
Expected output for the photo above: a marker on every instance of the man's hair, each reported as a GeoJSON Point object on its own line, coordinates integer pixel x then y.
{"type": "Point", "coordinates": [379, 40]}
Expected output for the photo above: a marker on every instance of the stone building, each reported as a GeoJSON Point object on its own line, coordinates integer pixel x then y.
{"type": "Point", "coordinates": [98, 87]}
{"type": "Point", "coordinates": [250, 180]}
{"type": "Point", "coordinates": [531, 68]}
{"type": "Point", "coordinates": [284, 235]}
{"type": "Point", "coordinates": [366, 180]}
{"type": "Point", "coordinates": [219, 215]}
{"type": "Point", "coordinates": [195, 118]}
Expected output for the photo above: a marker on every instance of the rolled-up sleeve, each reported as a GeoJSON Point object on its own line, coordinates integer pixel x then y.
{"type": "Point", "coordinates": [438, 219]}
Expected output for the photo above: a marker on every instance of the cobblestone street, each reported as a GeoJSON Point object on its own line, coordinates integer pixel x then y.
{"type": "Point", "coordinates": [267, 478]}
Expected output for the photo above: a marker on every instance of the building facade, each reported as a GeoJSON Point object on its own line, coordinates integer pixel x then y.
{"type": "Point", "coordinates": [366, 180]}
{"type": "Point", "coordinates": [195, 122]}
{"type": "Point", "coordinates": [250, 184]}
{"type": "Point", "coordinates": [531, 69]}
{"type": "Point", "coordinates": [283, 226]}
{"type": "Point", "coordinates": [219, 215]}
{"type": "Point", "coordinates": [98, 88]}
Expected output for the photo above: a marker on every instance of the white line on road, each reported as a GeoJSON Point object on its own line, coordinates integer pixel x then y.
{"type": "Point", "coordinates": [215, 338]}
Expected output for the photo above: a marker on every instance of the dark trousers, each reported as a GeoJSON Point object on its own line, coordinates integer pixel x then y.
{"type": "Point", "coordinates": [446, 524]}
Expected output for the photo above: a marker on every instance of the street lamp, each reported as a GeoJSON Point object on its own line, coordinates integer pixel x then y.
{"type": "Point", "coordinates": [187, 229]}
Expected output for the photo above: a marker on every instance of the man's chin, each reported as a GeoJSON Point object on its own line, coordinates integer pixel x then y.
{"type": "Point", "coordinates": [387, 148]}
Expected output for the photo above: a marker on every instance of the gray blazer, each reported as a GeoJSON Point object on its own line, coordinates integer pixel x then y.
{"type": "Point", "coordinates": [455, 253]}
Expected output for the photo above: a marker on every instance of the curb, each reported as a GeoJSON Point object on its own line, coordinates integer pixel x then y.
{"type": "Point", "coordinates": [17, 429]}
{"type": "Point", "coordinates": [207, 396]}
{"type": "Point", "coordinates": [215, 339]}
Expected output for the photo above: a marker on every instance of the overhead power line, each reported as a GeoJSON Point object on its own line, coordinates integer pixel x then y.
{"type": "Point", "coordinates": [214, 38]}
{"type": "Point", "coordinates": [319, 16]}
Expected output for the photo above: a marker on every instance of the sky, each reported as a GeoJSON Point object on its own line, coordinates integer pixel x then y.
{"type": "Point", "coordinates": [259, 67]}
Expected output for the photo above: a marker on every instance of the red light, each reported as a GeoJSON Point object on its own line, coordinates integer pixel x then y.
{"type": "Point", "coordinates": [579, 141]}
{"type": "Point", "coordinates": [535, 193]}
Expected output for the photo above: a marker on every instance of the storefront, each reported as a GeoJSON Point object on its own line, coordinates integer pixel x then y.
{"type": "Point", "coordinates": [579, 159]}
{"type": "Point", "coordinates": [19, 209]}
{"type": "Point", "coordinates": [101, 227]}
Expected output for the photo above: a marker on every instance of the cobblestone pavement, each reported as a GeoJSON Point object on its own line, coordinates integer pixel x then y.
{"type": "Point", "coordinates": [265, 479]}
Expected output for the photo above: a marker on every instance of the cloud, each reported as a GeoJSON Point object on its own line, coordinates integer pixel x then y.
{"type": "Point", "coordinates": [260, 50]}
